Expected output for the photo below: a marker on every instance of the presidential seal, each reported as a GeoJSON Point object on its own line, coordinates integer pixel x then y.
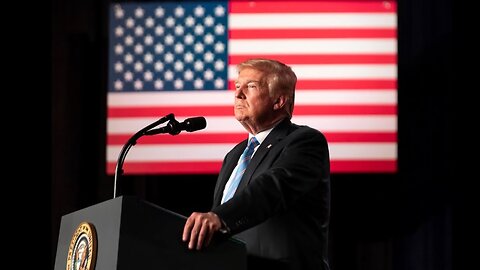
{"type": "Point", "coordinates": [82, 252]}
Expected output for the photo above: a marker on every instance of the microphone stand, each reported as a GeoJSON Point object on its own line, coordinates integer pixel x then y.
{"type": "Point", "coordinates": [131, 142]}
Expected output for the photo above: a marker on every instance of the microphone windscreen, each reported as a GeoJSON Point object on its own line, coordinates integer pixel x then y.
{"type": "Point", "coordinates": [195, 123]}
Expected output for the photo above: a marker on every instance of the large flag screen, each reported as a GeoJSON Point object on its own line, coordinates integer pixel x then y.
{"type": "Point", "coordinates": [180, 57]}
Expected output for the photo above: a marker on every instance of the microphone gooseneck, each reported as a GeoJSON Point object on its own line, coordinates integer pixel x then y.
{"type": "Point", "coordinates": [173, 127]}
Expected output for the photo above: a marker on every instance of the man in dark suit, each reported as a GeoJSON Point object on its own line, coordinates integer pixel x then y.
{"type": "Point", "coordinates": [281, 202]}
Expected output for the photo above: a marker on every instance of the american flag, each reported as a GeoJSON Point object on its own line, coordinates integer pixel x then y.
{"type": "Point", "coordinates": [180, 58]}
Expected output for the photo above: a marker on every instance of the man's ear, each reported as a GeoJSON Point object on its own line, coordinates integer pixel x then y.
{"type": "Point", "coordinates": [279, 102]}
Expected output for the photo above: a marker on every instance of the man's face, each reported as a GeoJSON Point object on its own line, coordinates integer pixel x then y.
{"type": "Point", "coordinates": [253, 104]}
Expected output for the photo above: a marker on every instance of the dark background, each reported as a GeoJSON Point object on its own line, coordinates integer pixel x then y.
{"type": "Point", "coordinates": [405, 221]}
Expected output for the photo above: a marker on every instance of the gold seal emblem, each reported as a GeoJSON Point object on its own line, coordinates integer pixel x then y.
{"type": "Point", "coordinates": [82, 252]}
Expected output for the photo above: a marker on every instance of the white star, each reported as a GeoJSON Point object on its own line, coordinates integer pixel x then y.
{"type": "Point", "coordinates": [138, 84]}
{"type": "Point", "coordinates": [179, 12]}
{"type": "Point", "coordinates": [159, 12]}
{"type": "Point", "coordinates": [139, 12]}
{"type": "Point", "coordinates": [198, 84]}
{"type": "Point", "coordinates": [159, 48]}
{"type": "Point", "coordinates": [188, 75]}
{"type": "Point", "coordinates": [148, 75]}
{"type": "Point", "coordinates": [119, 31]}
{"type": "Point", "coordinates": [138, 31]}
{"type": "Point", "coordinates": [199, 30]}
{"type": "Point", "coordinates": [128, 76]}
{"type": "Point", "coordinates": [219, 47]}
{"type": "Point", "coordinates": [138, 48]}
{"type": "Point", "coordinates": [208, 57]}
{"type": "Point", "coordinates": [158, 66]}
{"type": "Point", "coordinates": [189, 21]}
{"type": "Point", "coordinates": [159, 30]}
{"type": "Point", "coordinates": [158, 84]}
{"type": "Point", "coordinates": [208, 21]}
{"type": "Point", "coordinates": [118, 85]}
{"type": "Point", "coordinates": [208, 39]}
{"type": "Point", "coordinates": [118, 49]}
{"type": "Point", "coordinates": [148, 58]}
{"type": "Point", "coordinates": [179, 48]}
{"type": "Point", "coordinates": [130, 23]}
{"type": "Point", "coordinates": [219, 83]}
{"type": "Point", "coordinates": [208, 75]}
{"type": "Point", "coordinates": [169, 57]}
{"type": "Point", "coordinates": [198, 48]}
{"type": "Point", "coordinates": [179, 30]}
{"type": "Point", "coordinates": [128, 40]}
{"type": "Point", "coordinates": [188, 57]}
{"type": "Point", "coordinates": [168, 75]}
{"type": "Point", "coordinates": [148, 40]}
{"type": "Point", "coordinates": [118, 67]}
{"type": "Point", "coordinates": [149, 22]}
{"type": "Point", "coordinates": [219, 11]}
{"type": "Point", "coordinates": [128, 58]}
{"type": "Point", "coordinates": [169, 39]}
{"type": "Point", "coordinates": [170, 22]}
{"type": "Point", "coordinates": [219, 65]}
{"type": "Point", "coordinates": [188, 39]}
{"type": "Point", "coordinates": [199, 11]}
{"type": "Point", "coordinates": [119, 13]}
{"type": "Point", "coordinates": [198, 66]}
{"type": "Point", "coordinates": [219, 29]}
{"type": "Point", "coordinates": [178, 66]}
{"type": "Point", "coordinates": [178, 84]}
{"type": "Point", "coordinates": [138, 66]}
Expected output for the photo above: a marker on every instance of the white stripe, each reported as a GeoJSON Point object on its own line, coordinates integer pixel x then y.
{"type": "Point", "coordinates": [228, 124]}
{"type": "Point", "coordinates": [170, 98]}
{"type": "Point", "coordinates": [367, 71]}
{"type": "Point", "coordinates": [349, 123]}
{"type": "Point", "coordinates": [312, 46]}
{"type": "Point", "coordinates": [312, 20]}
{"type": "Point", "coordinates": [225, 98]}
{"type": "Point", "coordinates": [351, 71]}
{"type": "Point", "coordinates": [363, 151]}
{"type": "Point", "coordinates": [346, 97]}
{"type": "Point", "coordinates": [216, 152]}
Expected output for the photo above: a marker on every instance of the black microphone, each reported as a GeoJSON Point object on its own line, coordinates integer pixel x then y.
{"type": "Point", "coordinates": [174, 127]}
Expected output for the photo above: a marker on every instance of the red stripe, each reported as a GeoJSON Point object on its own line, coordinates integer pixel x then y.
{"type": "Point", "coordinates": [198, 138]}
{"type": "Point", "coordinates": [228, 110]}
{"type": "Point", "coordinates": [347, 84]}
{"type": "Point", "coordinates": [321, 58]}
{"type": "Point", "coordinates": [345, 109]}
{"type": "Point", "coordinates": [369, 166]}
{"type": "Point", "coordinates": [144, 168]}
{"type": "Point", "coordinates": [310, 6]}
{"type": "Point", "coordinates": [310, 33]}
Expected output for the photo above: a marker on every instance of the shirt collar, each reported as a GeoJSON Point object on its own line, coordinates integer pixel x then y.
{"type": "Point", "coordinates": [261, 135]}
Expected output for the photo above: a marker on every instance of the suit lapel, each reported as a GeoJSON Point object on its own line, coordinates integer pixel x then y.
{"type": "Point", "coordinates": [227, 170]}
{"type": "Point", "coordinates": [275, 136]}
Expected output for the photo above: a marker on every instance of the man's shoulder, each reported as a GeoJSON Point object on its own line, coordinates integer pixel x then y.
{"type": "Point", "coordinates": [302, 129]}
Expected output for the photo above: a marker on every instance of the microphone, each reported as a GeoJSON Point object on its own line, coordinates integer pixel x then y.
{"type": "Point", "coordinates": [174, 127]}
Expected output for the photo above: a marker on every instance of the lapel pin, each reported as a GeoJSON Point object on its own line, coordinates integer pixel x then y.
{"type": "Point", "coordinates": [268, 146]}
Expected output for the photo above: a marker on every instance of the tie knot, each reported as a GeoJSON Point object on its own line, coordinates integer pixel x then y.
{"type": "Point", "coordinates": [253, 143]}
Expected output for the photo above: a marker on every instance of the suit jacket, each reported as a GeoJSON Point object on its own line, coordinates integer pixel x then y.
{"type": "Point", "coordinates": [281, 207]}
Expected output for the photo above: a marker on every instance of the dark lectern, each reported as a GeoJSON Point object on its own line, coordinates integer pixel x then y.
{"type": "Point", "coordinates": [134, 234]}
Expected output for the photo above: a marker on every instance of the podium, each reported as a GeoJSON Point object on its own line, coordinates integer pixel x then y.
{"type": "Point", "coordinates": [129, 233]}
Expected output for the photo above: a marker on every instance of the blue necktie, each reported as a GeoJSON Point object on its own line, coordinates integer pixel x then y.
{"type": "Point", "coordinates": [241, 167]}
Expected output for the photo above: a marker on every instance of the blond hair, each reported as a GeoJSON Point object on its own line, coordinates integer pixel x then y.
{"type": "Point", "coordinates": [278, 78]}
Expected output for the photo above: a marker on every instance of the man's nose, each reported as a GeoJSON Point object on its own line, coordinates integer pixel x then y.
{"type": "Point", "coordinates": [239, 91]}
